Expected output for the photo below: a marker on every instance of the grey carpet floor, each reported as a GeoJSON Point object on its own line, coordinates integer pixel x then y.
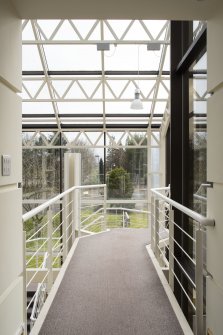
{"type": "Point", "coordinates": [111, 288]}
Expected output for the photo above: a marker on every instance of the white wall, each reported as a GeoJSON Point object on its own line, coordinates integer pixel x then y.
{"type": "Point", "coordinates": [117, 9]}
{"type": "Point", "coordinates": [11, 258]}
{"type": "Point", "coordinates": [215, 174]}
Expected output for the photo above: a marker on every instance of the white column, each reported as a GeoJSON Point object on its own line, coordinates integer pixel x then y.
{"type": "Point", "coordinates": [149, 173]}
{"type": "Point", "coordinates": [162, 160]}
{"type": "Point", "coordinates": [215, 173]}
{"type": "Point", "coordinates": [72, 177]}
{"type": "Point", "coordinates": [11, 230]}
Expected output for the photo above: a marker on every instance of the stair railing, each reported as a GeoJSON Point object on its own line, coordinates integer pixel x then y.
{"type": "Point", "coordinates": [164, 244]}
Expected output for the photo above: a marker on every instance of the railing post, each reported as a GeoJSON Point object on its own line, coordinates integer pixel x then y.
{"type": "Point", "coordinates": [123, 219]}
{"type": "Point", "coordinates": [171, 249]}
{"type": "Point", "coordinates": [199, 282]}
{"type": "Point", "coordinates": [76, 214]}
{"type": "Point", "coordinates": [156, 229]}
{"type": "Point", "coordinates": [64, 225]}
{"type": "Point", "coordinates": [152, 227]}
{"type": "Point", "coordinates": [24, 285]}
{"type": "Point", "coordinates": [105, 208]}
{"type": "Point", "coordinates": [49, 249]}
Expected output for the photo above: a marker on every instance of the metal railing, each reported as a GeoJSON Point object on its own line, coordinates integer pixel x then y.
{"type": "Point", "coordinates": [53, 228]}
{"type": "Point", "coordinates": [123, 217]}
{"type": "Point", "coordinates": [164, 244]}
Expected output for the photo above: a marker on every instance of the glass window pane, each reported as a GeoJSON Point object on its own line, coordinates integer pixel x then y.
{"type": "Point", "coordinates": [133, 57]}
{"type": "Point", "coordinates": [31, 63]}
{"type": "Point", "coordinates": [73, 57]}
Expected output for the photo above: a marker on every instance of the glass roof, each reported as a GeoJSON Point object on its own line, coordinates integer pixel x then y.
{"type": "Point", "coordinates": [67, 81]}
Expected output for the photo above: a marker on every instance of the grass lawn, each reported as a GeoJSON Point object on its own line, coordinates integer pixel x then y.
{"type": "Point", "coordinates": [113, 220]}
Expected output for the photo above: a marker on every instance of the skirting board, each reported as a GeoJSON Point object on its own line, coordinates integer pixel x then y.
{"type": "Point", "coordinates": [176, 308]}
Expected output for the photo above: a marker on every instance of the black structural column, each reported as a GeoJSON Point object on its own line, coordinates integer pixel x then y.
{"type": "Point", "coordinates": [179, 139]}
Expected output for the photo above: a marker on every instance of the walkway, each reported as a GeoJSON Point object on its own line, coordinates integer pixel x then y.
{"type": "Point", "coordinates": [111, 288]}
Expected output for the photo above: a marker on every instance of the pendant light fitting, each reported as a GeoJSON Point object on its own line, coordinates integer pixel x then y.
{"type": "Point", "coordinates": [137, 103]}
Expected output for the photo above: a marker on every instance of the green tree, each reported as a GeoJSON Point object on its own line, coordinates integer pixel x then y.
{"type": "Point", "coordinates": [119, 184]}
{"type": "Point", "coordinates": [136, 159]}
{"type": "Point", "coordinates": [115, 157]}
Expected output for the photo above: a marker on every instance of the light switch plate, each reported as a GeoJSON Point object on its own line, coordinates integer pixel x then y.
{"type": "Point", "coordinates": [6, 165]}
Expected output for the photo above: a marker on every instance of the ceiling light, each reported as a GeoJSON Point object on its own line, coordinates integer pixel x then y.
{"type": "Point", "coordinates": [137, 103]}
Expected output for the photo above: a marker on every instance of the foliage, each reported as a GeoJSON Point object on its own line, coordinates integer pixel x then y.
{"type": "Point", "coordinates": [41, 170]}
{"type": "Point", "coordinates": [119, 184]}
{"type": "Point", "coordinates": [136, 160]}
{"type": "Point", "coordinates": [115, 158]}
{"type": "Point", "coordinates": [132, 159]}
{"type": "Point", "coordinates": [41, 167]}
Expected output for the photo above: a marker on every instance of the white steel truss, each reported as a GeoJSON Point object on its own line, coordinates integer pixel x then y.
{"type": "Point", "coordinates": [113, 34]}
{"type": "Point", "coordinates": [105, 88]}
{"type": "Point", "coordinates": [100, 88]}
{"type": "Point", "coordinates": [71, 139]}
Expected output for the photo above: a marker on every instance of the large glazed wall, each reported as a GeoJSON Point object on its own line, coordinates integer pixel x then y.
{"type": "Point", "coordinates": [11, 258]}
{"type": "Point", "coordinates": [215, 174]}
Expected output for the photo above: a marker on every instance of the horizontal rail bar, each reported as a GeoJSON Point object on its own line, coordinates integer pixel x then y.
{"type": "Point", "coordinates": [31, 237]}
{"type": "Point", "coordinates": [199, 197]}
{"type": "Point", "coordinates": [93, 222]}
{"type": "Point", "coordinates": [127, 209]}
{"type": "Point", "coordinates": [27, 263]}
{"type": "Point", "coordinates": [91, 215]}
{"type": "Point", "coordinates": [183, 289]}
{"type": "Point", "coordinates": [188, 235]}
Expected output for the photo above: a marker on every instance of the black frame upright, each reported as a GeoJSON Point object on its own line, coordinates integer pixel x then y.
{"type": "Point", "coordinates": [184, 52]}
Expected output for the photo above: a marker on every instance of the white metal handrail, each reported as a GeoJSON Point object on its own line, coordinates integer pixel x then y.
{"type": "Point", "coordinates": [162, 218]}
{"type": "Point", "coordinates": [52, 201]}
{"type": "Point", "coordinates": [204, 221]}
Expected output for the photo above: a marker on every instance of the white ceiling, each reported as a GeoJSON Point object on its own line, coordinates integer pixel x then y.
{"type": "Point", "coordinates": [118, 9]}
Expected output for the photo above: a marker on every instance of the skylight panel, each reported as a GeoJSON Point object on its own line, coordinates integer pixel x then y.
{"type": "Point", "coordinates": [124, 107]}
{"type": "Point", "coordinates": [80, 107]}
{"type": "Point", "coordinates": [27, 33]}
{"type": "Point", "coordinates": [47, 27]}
{"type": "Point", "coordinates": [156, 27]}
{"type": "Point", "coordinates": [37, 108]}
{"type": "Point", "coordinates": [119, 27]}
{"type": "Point", "coordinates": [85, 27]}
{"type": "Point", "coordinates": [126, 58]}
{"type": "Point", "coordinates": [75, 89]}
{"type": "Point", "coordinates": [73, 57]}
{"type": "Point", "coordinates": [30, 58]}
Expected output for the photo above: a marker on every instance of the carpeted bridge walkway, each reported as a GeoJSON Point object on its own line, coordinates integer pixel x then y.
{"type": "Point", "coordinates": [111, 288]}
